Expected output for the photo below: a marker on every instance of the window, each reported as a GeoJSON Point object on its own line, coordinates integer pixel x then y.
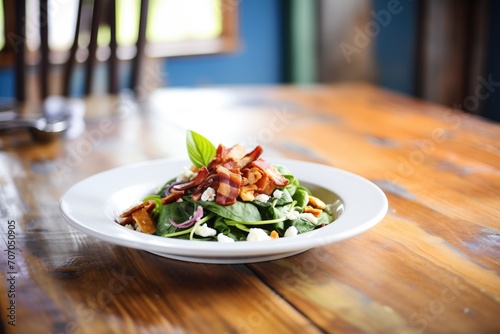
{"type": "Point", "coordinates": [2, 27]}
{"type": "Point", "coordinates": [175, 27]}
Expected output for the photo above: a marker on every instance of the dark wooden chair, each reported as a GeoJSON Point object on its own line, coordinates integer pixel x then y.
{"type": "Point", "coordinates": [439, 52]}
{"type": "Point", "coordinates": [101, 11]}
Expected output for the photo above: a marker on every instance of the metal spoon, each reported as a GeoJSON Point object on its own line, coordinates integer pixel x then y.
{"type": "Point", "coordinates": [40, 128]}
{"type": "Point", "coordinates": [60, 117]}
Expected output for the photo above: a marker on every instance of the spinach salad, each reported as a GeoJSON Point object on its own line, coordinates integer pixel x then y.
{"type": "Point", "coordinates": [227, 195]}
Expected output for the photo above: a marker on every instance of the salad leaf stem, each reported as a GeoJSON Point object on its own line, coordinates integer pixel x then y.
{"type": "Point", "coordinates": [175, 234]}
{"type": "Point", "coordinates": [262, 222]}
{"type": "Point", "coordinates": [241, 227]}
{"type": "Point", "coordinates": [191, 229]}
{"type": "Point", "coordinates": [198, 223]}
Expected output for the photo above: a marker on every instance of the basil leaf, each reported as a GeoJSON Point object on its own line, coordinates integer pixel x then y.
{"type": "Point", "coordinates": [200, 150]}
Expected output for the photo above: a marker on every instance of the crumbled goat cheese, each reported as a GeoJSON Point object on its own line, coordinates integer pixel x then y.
{"type": "Point", "coordinates": [292, 215]}
{"type": "Point", "coordinates": [186, 175]}
{"type": "Point", "coordinates": [310, 217]}
{"type": "Point", "coordinates": [205, 231]}
{"type": "Point", "coordinates": [277, 193]}
{"type": "Point", "coordinates": [291, 232]}
{"type": "Point", "coordinates": [129, 226]}
{"type": "Point", "coordinates": [180, 200]}
{"type": "Point", "coordinates": [262, 198]}
{"type": "Point", "coordinates": [223, 238]}
{"type": "Point", "coordinates": [257, 234]}
{"type": "Point", "coordinates": [208, 195]}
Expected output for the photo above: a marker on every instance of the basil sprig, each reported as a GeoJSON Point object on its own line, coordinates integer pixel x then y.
{"type": "Point", "coordinates": [200, 150]}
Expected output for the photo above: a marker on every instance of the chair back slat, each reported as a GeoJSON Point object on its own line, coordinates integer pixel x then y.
{"type": "Point", "coordinates": [140, 45]}
{"type": "Point", "coordinates": [113, 85]}
{"type": "Point", "coordinates": [44, 49]}
{"type": "Point", "coordinates": [101, 11]}
{"type": "Point", "coordinates": [91, 59]}
{"type": "Point", "coordinates": [70, 63]}
{"type": "Point", "coordinates": [19, 50]}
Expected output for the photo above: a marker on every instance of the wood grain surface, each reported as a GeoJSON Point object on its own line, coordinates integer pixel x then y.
{"type": "Point", "coordinates": [430, 266]}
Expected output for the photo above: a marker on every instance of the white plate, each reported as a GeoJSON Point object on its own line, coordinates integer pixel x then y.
{"type": "Point", "coordinates": [92, 204]}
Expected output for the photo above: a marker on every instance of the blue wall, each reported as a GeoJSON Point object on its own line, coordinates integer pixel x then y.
{"type": "Point", "coordinates": [492, 104]}
{"type": "Point", "coordinates": [259, 60]}
{"type": "Point", "coordinates": [6, 86]}
{"type": "Point", "coordinates": [395, 47]}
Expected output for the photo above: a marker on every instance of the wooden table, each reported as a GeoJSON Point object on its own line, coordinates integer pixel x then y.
{"type": "Point", "coordinates": [430, 266]}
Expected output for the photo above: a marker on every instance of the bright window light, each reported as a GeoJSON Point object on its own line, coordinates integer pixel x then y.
{"type": "Point", "coordinates": [2, 31]}
{"type": "Point", "coordinates": [175, 20]}
{"type": "Point", "coordinates": [168, 21]}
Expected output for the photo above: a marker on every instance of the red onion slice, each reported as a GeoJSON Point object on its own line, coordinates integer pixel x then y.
{"type": "Point", "coordinates": [188, 223]}
{"type": "Point", "coordinates": [173, 184]}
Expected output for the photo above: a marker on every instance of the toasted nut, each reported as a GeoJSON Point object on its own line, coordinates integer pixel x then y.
{"type": "Point", "coordinates": [316, 203]}
{"type": "Point", "coordinates": [314, 211]}
{"type": "Point", "coordinates": [247, 192]}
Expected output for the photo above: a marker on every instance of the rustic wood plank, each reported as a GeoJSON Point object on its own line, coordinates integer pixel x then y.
{"type": "Point", "coordinates": [370, 290]}
{"type": "Point", "coordinates": [444, 217]}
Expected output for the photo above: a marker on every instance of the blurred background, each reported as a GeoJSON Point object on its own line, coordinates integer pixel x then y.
{"type": "Point", "coordinates": [443, 51]}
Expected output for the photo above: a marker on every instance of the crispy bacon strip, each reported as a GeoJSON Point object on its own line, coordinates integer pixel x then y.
{"type": "Point", "coordinates": [250, 157]}
{"type": "Point", "coordinates": [229, 186]}
{"type": "Point", "coordinates": [210, 181]}
{"type": "Point", "coordinates": [172, 197]}
{"type": "Point", "coordinates": [203, 173]}
{"type": "Point", "coordinates": [275, 176]}
{"type": "Point", "coordinates": [148, 205]}
{"type": "Point", "coordinates": [220, 156]}
{"type": "Point", "coordinates": [126, 217]}
{"type": "Point", "coordinates": [235, 153]}
{"type": "Point", "coordinates": [143, 219]}
{"type": "Point", "coordinates": [230, 171]}
{"type": "Point", "coordinates": [233, 157]}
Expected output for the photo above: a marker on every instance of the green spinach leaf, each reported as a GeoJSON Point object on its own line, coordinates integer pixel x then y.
{"type": "Point", "coordinates": [301, 196]}
{"type": "Point", "coordinates": [239, 211]}
{"type": "Point", "coordinates": [178, 211]}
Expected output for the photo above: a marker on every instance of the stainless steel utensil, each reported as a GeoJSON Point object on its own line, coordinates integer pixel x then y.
{"type": "Point", "coordinates": [40, 128]}
{"type": "Point", "coordinates": [60, 117]}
